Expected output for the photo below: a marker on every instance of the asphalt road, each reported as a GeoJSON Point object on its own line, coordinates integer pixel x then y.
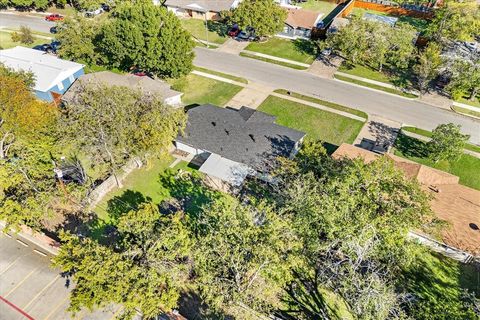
{"type": "Point", "coordinates": [395, 108]}
{"type": "Point", "coordinates": [391, 107]}
{"type": "Point", "coordinates": [35, 23]}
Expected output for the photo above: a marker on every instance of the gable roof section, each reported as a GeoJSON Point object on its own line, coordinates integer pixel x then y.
{"type": "Point", "coordinates": [244, 136]}
{"type": "Point", "coordinates": [146, 84]}
{"type": "Point", "coordinates": [48, 70]}
{"type": "Point", "coordinates": [452, 202]}
{"type": "Point", "coordinates": [299, 18]}
{"type": "Point", "coordinates": [202, 5]}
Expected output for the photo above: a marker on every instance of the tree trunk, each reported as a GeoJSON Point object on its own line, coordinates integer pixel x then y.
{"type": "Point", "coordinates": [473, 94]}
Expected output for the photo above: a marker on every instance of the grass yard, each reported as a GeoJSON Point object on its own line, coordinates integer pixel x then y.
{"type": "Point", "coordinates": [297, 50]}
{"type": "Point", "coordinates": [6, 41]}
{"type": "Point", "coordinates": [221, 74]}
{"type": "Point", "coordinates": [280, 63]}
{"type": "Point", "coordinates": [200, 90]}
{"type": "Point", "coordinates": [377, 87]}
{"type": "Point", "coordinates": [318, 124]}
{"type": "Point", "coordinates": [474, 102]}
{"type": "Point", "coordinates": [419, 24]}
{"type": "Point", "coordinates": [467, 167]}
{"type": "Point", "coordinates": [323, 7]}
{"type": "Point", "coordinates": [217, 32]}
{"type": "Point", "coordinates": [324, 103]}
{"type": "Point", "coordinates": [437, 280]}
{"type": "Point", "coordinates": [466, 111]}
{"type": "Point", "coordinates": [428, 134]}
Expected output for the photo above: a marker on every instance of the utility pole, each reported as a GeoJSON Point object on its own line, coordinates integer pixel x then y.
{"type": "Point", "coordinates": [206, 27]}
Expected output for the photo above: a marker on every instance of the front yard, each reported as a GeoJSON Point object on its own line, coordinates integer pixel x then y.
{"type": "Point", "coordinates": [217, 32]}
{"type": "Point", "coordinates": [467, 167]}
{"type": "Point", "coordinates": [323, 7]}
{"type": "Point", "coordinates": [6, 41]}
{"type": "Point", "coordinates": [297, 50]}
{"type": "Point", "coordinates": [318, 124]}
{"type": "Point", "coordinates": [200, 90]}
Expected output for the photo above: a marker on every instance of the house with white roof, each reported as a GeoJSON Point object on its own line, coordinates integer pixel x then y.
{"type": "Point", "coordinates": [53, 76]}
{"type": "Point", "coordinates": [199, 9]}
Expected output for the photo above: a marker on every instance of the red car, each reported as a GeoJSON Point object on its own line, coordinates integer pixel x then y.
{"type": "Point", "coordinates": [234, 31]}
{"type": "Point", "coordinates": [54, 17]}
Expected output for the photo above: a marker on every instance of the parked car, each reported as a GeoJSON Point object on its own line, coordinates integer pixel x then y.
{"type": "Point", "coordinates": [54, 17]}
{"type": "Point", "coordinates": [55, 44]}
{"type": "Point", "coordinates": [105, 7]}
{"type": "Point", "coordinates": [233, 31]}
{"type": "Point", "coordinates": [247, 35]}
{"type": "Point", "coordinates": [46, 47]}
{"type": "Point", "coordinates": [54, 29]}
{"type": "Point", "coordinates": [93, 13]}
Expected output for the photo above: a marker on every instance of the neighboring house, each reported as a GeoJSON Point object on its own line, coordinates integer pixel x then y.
{"type": "Point", "coordinates": [456, 204]}
{"type": "Point", "coordinates": [146, 84]}
{"type": "Point", "coordinates": [200, 9]}
{"type": "Point", "coordinates": [300, 23]}
{"type": "Point", "coordinates": [53, 76]}
{"type": "Point", "coordinates": [231, 144]}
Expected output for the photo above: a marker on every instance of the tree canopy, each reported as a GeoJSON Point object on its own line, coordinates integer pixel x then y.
{"type": "Point", "coordinates": [447, 143]}
{"type": "Point", "coordinates": [265, 16]}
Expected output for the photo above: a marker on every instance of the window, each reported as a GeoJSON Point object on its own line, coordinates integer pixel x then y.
{"type": "Point", "coordinates": [60, 86]}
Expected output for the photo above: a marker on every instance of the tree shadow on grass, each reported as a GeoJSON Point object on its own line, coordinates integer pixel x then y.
{"type": "Point", "coordinates": [411, 147]}
{"type": "Point", "coordinates": [306, 46]}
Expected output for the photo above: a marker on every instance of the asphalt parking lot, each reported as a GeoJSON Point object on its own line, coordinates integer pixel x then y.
{"type": "Point", "coordinates": [31, 289]}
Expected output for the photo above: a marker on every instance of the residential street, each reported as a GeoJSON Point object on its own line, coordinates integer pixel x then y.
{"type": "Point", "coordinates": [35, 23]}
{"type": "Point", "coordinates": [387, 106]}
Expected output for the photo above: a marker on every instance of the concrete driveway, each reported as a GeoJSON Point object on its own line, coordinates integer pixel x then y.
{"type": "Point", "coordinates": [31, 289]}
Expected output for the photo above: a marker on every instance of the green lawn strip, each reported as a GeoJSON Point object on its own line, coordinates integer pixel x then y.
{"type": "Point", "coordinates": [466, 111]}
{"type": "Point", "coordinates": [6, 41]}
{"type": "Point", "coordinates": [365, 72]}
{"type": "Point", "coordinates": [377, 87]}
{"type": "Point", "coordinates": [323, 103]}
{"type": "Point", "coordinates": [318, 124]}
{"type": "Point", "coordinates": [438, 280]}
{"type": "Point", "coordinates": [324, 7]}
{"type": "Point", "coordinates": [297, 50]}
{"type": "Point", "coordinates": [293, 66]}
{"type": "Point", "coordinates": [216, 30]}
{"type": "Point", "coordinates": [204, 45]}
{"type": "Point", "coordinates": [474, 102]}
{"type": "Point", "coordinates": [201, 90]}
{"type": "Point", "coordinates": [466, 168]}
{"type": "Point", "coordinates": [428, 134]}
{"type": "Point", "coordinates": [221, 74]}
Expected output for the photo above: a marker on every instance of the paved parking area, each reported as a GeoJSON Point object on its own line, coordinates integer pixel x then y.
{"type": "Point", "coordinates": [31, 289]}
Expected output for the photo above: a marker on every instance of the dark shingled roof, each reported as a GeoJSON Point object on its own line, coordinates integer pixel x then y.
{"type": "Point", "coordinates": [245, 136]}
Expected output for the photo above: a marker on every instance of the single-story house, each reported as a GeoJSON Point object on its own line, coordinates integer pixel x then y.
{"type": "Point", "coordinates": [200, 9]}
{"type": "Point", "coordinates": [146, 84]}
{"type": "Point", "coordinates": [231, 144]}
{"type": "Point", "coordinates": [299, 23]}
{"type": "Point", "coordinates": [452, 202]}
{"type": "Point", "coordinates": [53, 76]}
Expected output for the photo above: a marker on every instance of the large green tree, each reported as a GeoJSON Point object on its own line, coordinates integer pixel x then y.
{"type": "Point", "coordinates": [456, 20]}
{"type": "Point", "coordinates": [242, 257]}
{"type": "Point", "coordinates": [465, 79]}
{"type": "Point", "coordinates": [447, 143]}
{"type": "Point", "coordinates": [112, 124]}
{"type": "Point", "coordinates": [428, 65]}
{"type": "Point", "coordinates": [145, 271]}
{"type": "Point", "coordinates": [148, 37]}
{"type": "Point", "coordinates": [265, 16]}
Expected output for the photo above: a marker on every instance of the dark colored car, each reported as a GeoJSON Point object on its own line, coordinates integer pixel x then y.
{"type": "Point", "coordinates": [54, 29]}
{"type": "Point", "coordinates": [46, 47]}
{"type": "Point", "coordinates": [243, 36]}
{"type": "Point", "coordinates": [54, 17]}
{"type": "Point", "coordinates": [233, 31]}
{"type": "Point", "coordinates": [105, 7]}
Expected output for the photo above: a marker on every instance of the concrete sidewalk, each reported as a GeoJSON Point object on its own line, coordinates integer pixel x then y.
{"type": "Point", "coordinates": [251, 96]}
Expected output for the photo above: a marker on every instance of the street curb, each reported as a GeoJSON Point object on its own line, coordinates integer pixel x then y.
{"type": "Point", "coordinates": [47, 245]}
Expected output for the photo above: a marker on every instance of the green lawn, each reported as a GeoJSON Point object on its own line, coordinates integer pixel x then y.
{"type": "Point", "coordinates": [467, 167]}
{"type": "Point", "coordinates": [324, 7]}
{"type": "Point", "coordinates": [372, 74]}
{"type": "Point", "coordinates": [297, 50]}
{"type": "Point", "coordinates": [419, 24]}
{"type": "Point", "coordinates": [221, 74]}
{"type": "Point", "coordinates": [6, 41]}
{"type": "Point", "coordinates": [474, 102]}
{"type": "Point", "coordinates": [466, 111]}
{"type": "Point", "coordinates": [428, 134]}
{"type": "Point", "coordinates": [217, 32]}
{"type": "Point", "coordinates": [377, 87]}
{"type": "Point", "coordinates": [323, 102]}
{"type": "Point", "coordinates": [201, 90]}
{"type": "Point", "coordinates": [318, 124]}
{"type": "Point", "coordinates": [438, 281]}
{"type": "Point", "coordinates": [281, 63]}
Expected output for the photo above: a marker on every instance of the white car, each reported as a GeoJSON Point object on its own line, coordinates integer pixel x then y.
{"type": "Point", "coordinates": [93, 13]}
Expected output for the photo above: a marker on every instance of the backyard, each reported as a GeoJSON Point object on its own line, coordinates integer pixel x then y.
{"type": "Point", "coordinates": [200, 90]}
{"type": "Point", "coordinates": [416, 150]}
{"type": "Point", "coordinates": [299, 50]}
{"type": "Point", "coordinates": [419, 24]}
{"type": "Point", "coordinates": [318, 124]}
{"type": "Point", "coordinates": [323, 7]}
{"type": "Point", "coordinates": [216, 31]}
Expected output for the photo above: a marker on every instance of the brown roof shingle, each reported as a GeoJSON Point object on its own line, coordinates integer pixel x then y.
{"type": "Point", "coordinates": [299, 18]}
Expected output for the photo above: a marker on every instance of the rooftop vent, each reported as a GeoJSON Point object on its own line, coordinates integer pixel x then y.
{"type": "Point", "coordinates": [252, 137]}
{"type": "Point", "coordinates": [227, 132]}
{"type": "Point", "coordinates": [214, 123]}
